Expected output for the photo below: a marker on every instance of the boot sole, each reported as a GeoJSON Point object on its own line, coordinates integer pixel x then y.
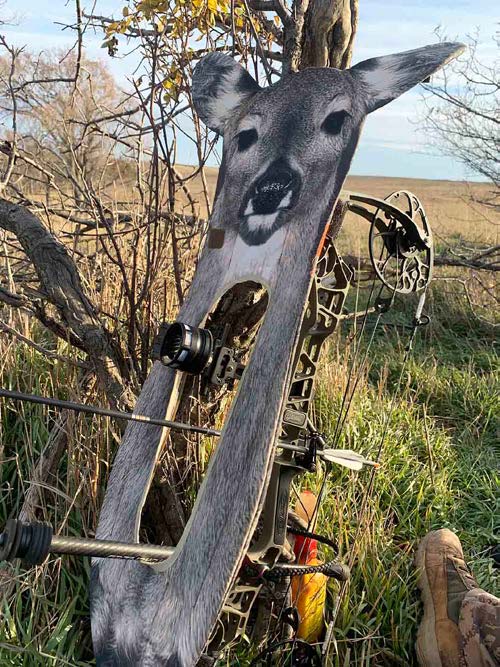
{"type": "Point", "coordinates": [426, 645]}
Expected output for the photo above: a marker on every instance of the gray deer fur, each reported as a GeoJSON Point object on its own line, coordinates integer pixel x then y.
{"type": "Point", "coordinates": [287, 150]}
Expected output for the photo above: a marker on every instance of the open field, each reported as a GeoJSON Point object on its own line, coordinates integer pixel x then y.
{"type": "Point", "coordinates": [447, 204]}
{"type": "Point", "coordinates": [437, 427]}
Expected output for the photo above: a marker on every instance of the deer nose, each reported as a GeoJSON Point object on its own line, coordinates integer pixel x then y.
{"type": "Point", "coordinates": [271, 189]}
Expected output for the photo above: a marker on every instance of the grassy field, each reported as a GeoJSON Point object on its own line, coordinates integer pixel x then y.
{"type": "Point", "coordinates": [449, 204]}
{"type": "Point", "coordinates": [440, 469]}
{"type": "Point", "coordinates": [436, 425]}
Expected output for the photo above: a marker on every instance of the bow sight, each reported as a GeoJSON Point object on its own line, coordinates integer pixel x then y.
{"type": "Point", "coordinates": [195, 350]}
{"type": "Point", "coordinates": [183, 347]}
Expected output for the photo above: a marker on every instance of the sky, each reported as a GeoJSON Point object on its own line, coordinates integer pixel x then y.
{"type": "Point", "coordinates": [391, 143]}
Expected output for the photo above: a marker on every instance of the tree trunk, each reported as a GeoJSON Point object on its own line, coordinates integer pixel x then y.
{"type": "Point", "coordinates": [328, 34]}
{"type": "Point", "coordinates": [320, 35]}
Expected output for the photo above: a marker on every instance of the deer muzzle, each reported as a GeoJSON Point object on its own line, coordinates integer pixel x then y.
{"type": "Point", "coordinates": [274, 192]}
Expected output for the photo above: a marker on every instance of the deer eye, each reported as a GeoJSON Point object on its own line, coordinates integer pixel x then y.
{"type": "Point", "coordinates": [246, 138]}
{"type": "Point", "coordinates": [333, 122]}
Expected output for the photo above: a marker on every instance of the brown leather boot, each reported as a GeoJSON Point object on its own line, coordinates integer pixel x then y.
{"type": "Point", "coordinates": [444, 579]}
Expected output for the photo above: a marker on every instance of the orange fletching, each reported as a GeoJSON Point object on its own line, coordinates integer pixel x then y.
{"type": "Point", "coordinates": [309, 597]}
{"type": "Point", "coordinates": [308, 590]}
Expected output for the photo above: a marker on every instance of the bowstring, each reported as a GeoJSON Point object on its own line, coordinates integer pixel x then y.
{"type": "Point", "coordinates": [371, 482]}
{"type": "Point", "coordinates": [341, 419]}
{"type": "Point", "coordinates": [359, 336]}
{"type": "Point", "coordinates": [361, 528]}
{"type": "Point", "coordinates": [344, 409]}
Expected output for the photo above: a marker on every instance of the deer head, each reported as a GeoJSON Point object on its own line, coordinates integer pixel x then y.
{"type": "Point", "coordinates": [287, 150]}
{"type": "Point", "coordinates": [288, 146]}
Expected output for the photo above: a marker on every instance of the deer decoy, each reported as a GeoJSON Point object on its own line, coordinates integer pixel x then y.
{"type": "Point", "coordinates": [286, 152]}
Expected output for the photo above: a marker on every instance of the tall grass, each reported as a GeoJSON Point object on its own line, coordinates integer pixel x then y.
{"type": "Point", "coordinates": [439, 468]}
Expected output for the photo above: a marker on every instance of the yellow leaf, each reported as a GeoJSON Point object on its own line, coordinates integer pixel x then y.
{"type": "Point", "coordinates": [212, 5]}
{"type": "Point", "coordinates": [125, 11]}
{"type": "Point", "coordinates": [112, 27]}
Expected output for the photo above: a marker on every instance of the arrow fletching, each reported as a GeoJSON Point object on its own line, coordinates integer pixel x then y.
{"type": "Point", "coordinates": [347, 458]}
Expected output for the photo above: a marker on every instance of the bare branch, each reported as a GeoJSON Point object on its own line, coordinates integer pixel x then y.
{"type": "Point", "coordinates": [462, 115]}
{"type": "Point", "coordinates": [6, 328]}
{"type": "Point", "coordinates": [12, 155]}
{"type": "Point", "coordinates": [470, 302]}
{"type": "Point", "coordinates": [61, 282]}
{"type": "Point", "coordinates": [277, 6]}
{"type": "Point", "coordinates": [13, 300]}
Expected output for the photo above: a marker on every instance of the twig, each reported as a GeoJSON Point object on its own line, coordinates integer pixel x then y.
{"type": "Point", "coordinates": [6, 328]}
{"type": "Point", "coordinates": [265, 62]}
{"type": "Point", "coordinates": [277, 6]}
{"type": "Point", "coordinates": [471, 304]}
{"type": "Point", "coordinates": [12, 143]}
{"type": "Point", "coordinates": [60, 280]}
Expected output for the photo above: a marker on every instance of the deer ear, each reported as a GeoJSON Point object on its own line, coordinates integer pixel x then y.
{"type": "Point", "coordinates": [220, 86]}
{"type": "Point", "coordinates": [387, 77]}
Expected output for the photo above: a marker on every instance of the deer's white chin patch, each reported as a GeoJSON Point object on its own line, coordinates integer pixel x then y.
{"type": "Point", "coordinates": [256, 222]}
{"type": "Point", "coordinates": [265, 221]}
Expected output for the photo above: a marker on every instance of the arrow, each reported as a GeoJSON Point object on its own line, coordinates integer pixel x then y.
{"type": "Point", "coordinates": [347, 458]}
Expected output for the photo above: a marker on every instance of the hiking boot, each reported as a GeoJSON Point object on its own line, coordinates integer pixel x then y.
{"type": "Point", "coordinates": [444, 579]}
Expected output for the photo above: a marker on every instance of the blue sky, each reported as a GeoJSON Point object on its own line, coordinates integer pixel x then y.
{"type": "Point", "coordinates": [391, 144]}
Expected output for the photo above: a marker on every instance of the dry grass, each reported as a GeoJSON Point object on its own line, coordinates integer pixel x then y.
{"type": "Point", "coordinates": [454, 373]}
{"type": "Point", "coordinates": [449, 205]}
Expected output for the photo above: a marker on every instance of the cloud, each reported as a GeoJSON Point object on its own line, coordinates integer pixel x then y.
{"type": "Point", "coordinates": [389, 27]}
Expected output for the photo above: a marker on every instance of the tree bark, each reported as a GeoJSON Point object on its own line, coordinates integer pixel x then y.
{"type": "Point", "coordinates": [62, 288]}
{"type": "Point", "coordinates": [328, 33]}
{"type": "Point", "coordinates": [321, 34]}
